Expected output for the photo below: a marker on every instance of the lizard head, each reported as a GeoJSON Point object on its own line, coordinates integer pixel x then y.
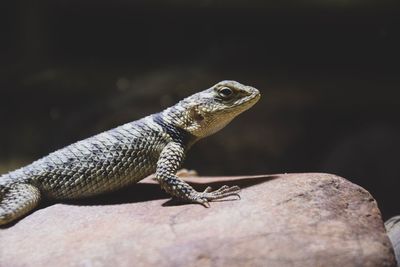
{"type": "Point", "coordinates": [208, 111]}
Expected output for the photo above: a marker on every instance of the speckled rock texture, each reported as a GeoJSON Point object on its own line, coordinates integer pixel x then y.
{"type": "Point", "coordinates": [282, 220]}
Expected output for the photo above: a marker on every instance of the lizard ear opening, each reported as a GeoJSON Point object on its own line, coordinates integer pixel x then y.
{"type": "Point", "coordinates": [195, 121]}
{"type": "Point", "coordinates": [196, 115]}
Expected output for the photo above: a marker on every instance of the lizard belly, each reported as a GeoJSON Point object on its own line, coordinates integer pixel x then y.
{"type": "Point", "coordinates": [104, 163]}
{"type": "Point", "coordinates": [95, 181]}
{"type": "Point", "coordinates": [108, 173]}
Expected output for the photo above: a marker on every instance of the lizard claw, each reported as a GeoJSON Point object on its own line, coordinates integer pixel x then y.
{"type": "Point", "coordinates": [203, 202]}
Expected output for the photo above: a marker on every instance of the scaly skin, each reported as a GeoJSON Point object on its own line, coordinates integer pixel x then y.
{"type": "Point", "coordinates": [125, 155]}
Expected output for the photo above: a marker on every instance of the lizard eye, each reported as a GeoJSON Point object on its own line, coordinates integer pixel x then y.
{"type": "Point", "coordinates": [225, 92]}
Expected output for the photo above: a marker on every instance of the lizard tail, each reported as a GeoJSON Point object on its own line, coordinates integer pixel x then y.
{"type": "Point", "coordinates": [17, 200]}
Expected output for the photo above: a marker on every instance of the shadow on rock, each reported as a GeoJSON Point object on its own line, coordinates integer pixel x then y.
{"type": "Point", "coordinates": [148, 190]}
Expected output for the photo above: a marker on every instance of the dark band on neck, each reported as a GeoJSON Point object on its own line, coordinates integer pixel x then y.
{"type": "Point", "coordinates": [177, 134]}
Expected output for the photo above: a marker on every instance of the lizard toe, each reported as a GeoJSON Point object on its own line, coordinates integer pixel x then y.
{"type": "Point", "coordinates": [223, 192]}
{"type": "Point", "coordinates": [208, 189]}
{"type": "Point", "coordinates": [203, 201]}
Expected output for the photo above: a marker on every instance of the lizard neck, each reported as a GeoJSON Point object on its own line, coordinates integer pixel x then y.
{"type": "Point", "coordinates": [170, 125]}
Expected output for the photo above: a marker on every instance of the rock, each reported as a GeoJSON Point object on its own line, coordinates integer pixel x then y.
{"type": "Point", "coordinates": [393, 230]}
{"type": "Point", "coordinates": [281, 220]}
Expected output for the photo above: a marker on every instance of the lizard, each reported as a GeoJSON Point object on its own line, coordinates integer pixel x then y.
{"type": "Point", "coordinates": [126, 154]}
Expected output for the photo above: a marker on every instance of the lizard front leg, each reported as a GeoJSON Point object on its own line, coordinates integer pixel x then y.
{"type": "Point", "coordinates": [170, 159]}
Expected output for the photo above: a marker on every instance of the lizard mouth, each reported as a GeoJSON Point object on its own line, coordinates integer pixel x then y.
{"type": "Point", "coordinates": [256, 95]}
{"type": "Point", "coordinates": [252, 98]}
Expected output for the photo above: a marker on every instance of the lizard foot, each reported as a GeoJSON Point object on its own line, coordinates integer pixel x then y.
{"type": "Point", "coordinates": [207, 195]}
{"type": "Point", "coordinates": [187, 173]}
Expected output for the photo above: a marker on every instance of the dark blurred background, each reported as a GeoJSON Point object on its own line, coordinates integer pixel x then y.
{"type": "Point", "coordinates": [328, 71]}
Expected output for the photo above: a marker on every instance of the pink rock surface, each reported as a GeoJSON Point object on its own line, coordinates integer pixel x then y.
{"type": "Point", "coordinates": [282, 220]}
